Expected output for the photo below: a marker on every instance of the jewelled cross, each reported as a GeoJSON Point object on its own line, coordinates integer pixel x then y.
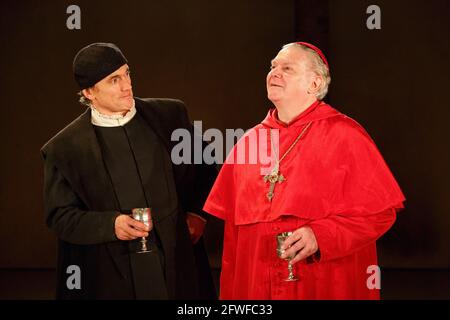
{"type": "Point", "coordinates": [273, 178]}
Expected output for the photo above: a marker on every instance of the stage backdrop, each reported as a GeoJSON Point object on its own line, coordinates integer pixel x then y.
{"type": "Point", "coordinates": [215, 56]}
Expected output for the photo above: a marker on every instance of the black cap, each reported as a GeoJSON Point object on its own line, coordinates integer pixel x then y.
{"type": "Point", "coordinates": [96, 61]}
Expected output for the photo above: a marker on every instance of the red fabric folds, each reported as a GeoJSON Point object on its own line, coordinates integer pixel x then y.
{"type": "Point", "coordinates": [251, 268]}
{"type": "Point", "coordinates": [334, 169]}
{"type": "Point", "coordinates": [337, 183]}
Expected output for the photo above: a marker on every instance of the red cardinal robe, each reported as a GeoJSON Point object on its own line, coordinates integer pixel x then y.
{"type": "Point", "coordinates": [336, 182]}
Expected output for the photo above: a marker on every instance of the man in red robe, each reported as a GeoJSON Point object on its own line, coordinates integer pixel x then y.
{"type": "Point", "coordinates": [328, 185]}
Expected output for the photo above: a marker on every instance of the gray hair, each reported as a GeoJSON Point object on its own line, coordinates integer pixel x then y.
{"type": "Point", "coordinates": [318, 67]}
{"type": "Point", "coordinates": [83, 100]}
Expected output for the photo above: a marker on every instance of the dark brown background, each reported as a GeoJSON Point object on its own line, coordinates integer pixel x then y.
{"type": "Point", "coordinates": [215, 56]}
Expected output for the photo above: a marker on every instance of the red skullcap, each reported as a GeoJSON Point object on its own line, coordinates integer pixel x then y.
{"type": "Point", "coordinates": [319, 52]}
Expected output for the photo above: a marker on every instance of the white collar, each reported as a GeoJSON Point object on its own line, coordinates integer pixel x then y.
{"type": "Point", "coordinates": [115, 120]}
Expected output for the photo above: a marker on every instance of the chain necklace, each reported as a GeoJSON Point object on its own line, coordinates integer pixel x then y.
{"type": "Point", "coordinates": [275, 175]}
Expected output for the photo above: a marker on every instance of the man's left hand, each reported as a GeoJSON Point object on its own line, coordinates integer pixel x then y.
{"type": "Point", "coordinates": [301, 244]}
{"type": "Point", "coordinates": [196, 226]}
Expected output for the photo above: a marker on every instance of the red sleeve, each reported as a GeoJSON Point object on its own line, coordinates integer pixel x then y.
{"type": "Point", "coordinates": [221, 199]}
{"type": "Point", "coordinates": [339, 236]}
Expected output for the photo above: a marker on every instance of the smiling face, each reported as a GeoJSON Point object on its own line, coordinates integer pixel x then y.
{"type": "Point", "coordinates": [113, 94]}
{"type": "Point", "coordinates": [290, 80]}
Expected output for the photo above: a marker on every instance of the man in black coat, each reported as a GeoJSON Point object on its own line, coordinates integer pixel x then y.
{"type": "Point", "coordinates": [113, 158]}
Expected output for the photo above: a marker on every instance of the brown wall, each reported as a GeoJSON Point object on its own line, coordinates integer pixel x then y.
{"type": "Point", "coordinates": [395, 81]}
{"type": "Point", "coordinates": [214, 56]}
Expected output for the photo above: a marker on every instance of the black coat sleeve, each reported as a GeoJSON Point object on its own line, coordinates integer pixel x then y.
{"type": "Point", "coordinates": [67, 215]}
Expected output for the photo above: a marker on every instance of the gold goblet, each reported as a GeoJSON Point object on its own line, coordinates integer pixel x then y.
{"type": "Point", "coordinates": [281, 237]}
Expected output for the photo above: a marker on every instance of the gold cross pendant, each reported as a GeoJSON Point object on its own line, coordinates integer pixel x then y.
{"type": "Point", "coordinates": [273, 178]}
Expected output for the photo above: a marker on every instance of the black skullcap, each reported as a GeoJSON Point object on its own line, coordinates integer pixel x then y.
{"type": "Point", "coordinates": [96, 61]}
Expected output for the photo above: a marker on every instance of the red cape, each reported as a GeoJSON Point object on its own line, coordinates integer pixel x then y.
{"type": "Point", "coordinates": [337, 183]}
{"type": "Point", "coordinates": [334, 169]}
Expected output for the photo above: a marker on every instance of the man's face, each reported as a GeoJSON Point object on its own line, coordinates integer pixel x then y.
{"type": "Point", "coordinates": [113, 94]}
{"type": "Point", "coordinates": [289, 77]}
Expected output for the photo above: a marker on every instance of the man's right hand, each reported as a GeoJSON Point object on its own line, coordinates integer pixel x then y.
{"type": "Point", "coordinates": [127, 228]}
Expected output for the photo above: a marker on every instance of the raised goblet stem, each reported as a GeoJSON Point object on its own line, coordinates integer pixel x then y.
{"type": "Point", "coordinates": [291, 276]}
{"type": "Point", "coordinates": [144, 244]}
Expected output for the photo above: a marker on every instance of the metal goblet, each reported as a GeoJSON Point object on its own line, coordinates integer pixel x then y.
{"type": "Point", "coordinates": [281, 237]}
{"type": "Point", "coordinates": [143, 215]}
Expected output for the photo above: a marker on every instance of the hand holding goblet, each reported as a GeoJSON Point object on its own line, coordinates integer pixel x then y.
{"type": "Point", "coordinates": [281, 237]}
{"type": "Point", "coordinates": [145, 216]}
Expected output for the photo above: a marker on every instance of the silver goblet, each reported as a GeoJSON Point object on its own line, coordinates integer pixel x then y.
{"type": "Point", "coordinates": [143, 215]}
{"type": "Point", "coordinates": [281, 237]}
